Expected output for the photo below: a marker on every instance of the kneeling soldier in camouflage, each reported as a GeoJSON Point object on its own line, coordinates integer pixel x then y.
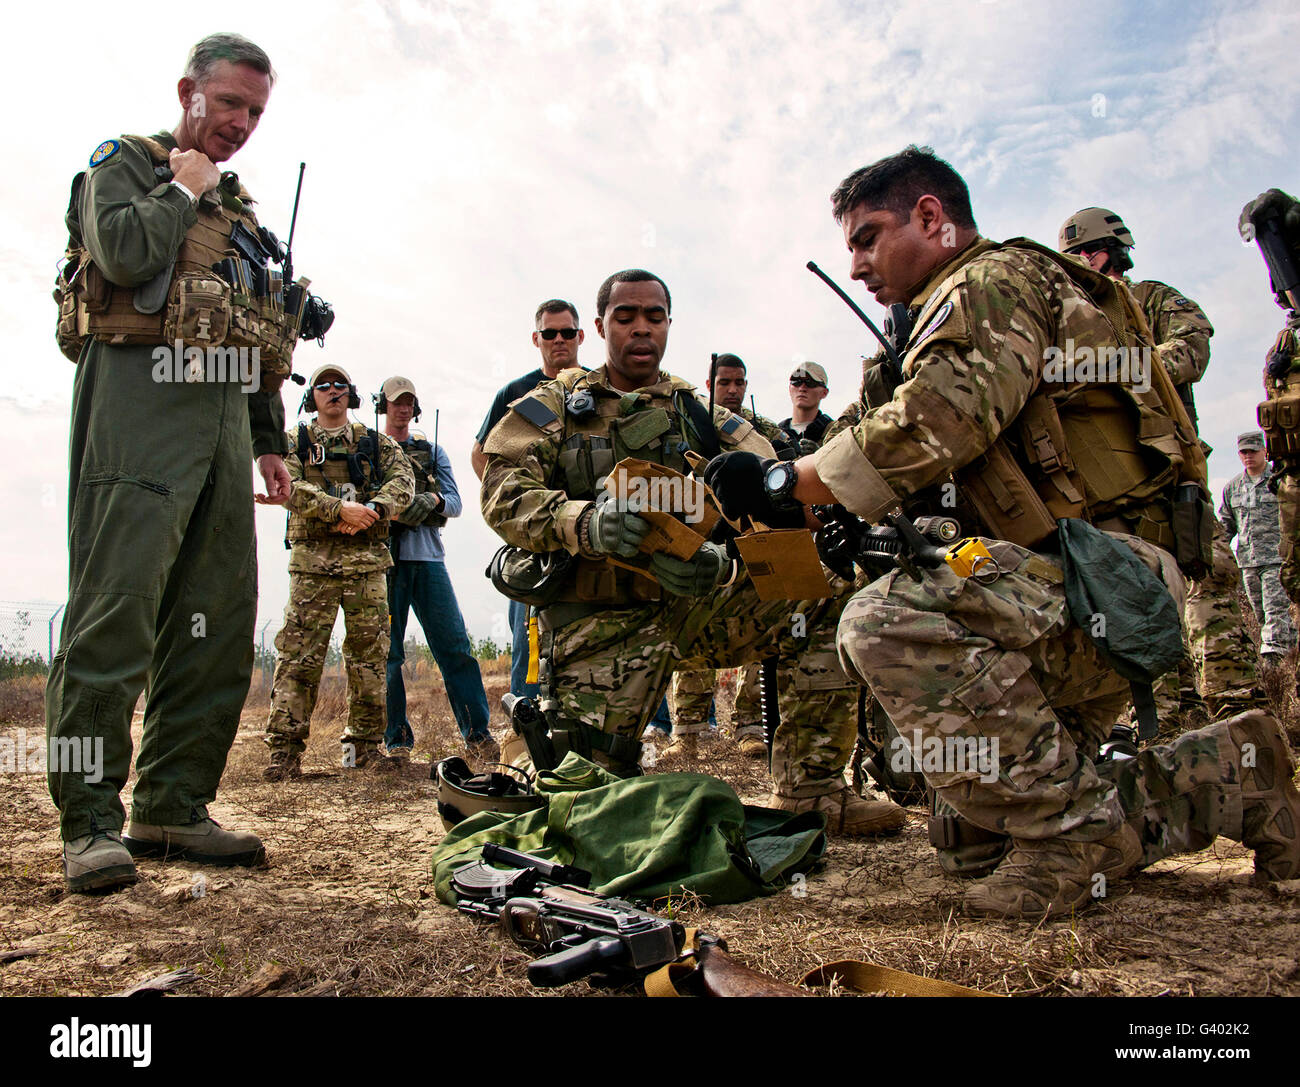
{"type": "Point", "coordinates": [348, 483]}
{"type": "Point", "coordinates": [997, 661]}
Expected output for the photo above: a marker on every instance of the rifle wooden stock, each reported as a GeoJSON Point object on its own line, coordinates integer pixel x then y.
{"type": "Point", "coordinates": [718, 974]}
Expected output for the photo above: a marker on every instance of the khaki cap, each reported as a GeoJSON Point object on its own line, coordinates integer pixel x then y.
{"type": "Point", "coordinates": [812, 370]}
{"type": "Point", "coordinates": [328, 368]}
{"type": "Point", "coordinates": [396, 386]}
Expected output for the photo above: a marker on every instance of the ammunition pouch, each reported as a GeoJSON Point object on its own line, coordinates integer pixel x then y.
{"type": "Point", "coordinates": [536, 578]}
{"type": "Point", "coordinates": [1279, 418]}
{"type": "Point", "coordinates": [1193, 528]}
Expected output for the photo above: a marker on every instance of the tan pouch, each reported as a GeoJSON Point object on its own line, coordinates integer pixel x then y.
{"type": "Point", "coordinates": [1007, 505]}
{"type": "Point", "coordinates": [198, 311]}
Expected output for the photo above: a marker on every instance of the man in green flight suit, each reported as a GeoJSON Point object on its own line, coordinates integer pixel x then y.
{"type": "Point", "coordinates": [162, 557]}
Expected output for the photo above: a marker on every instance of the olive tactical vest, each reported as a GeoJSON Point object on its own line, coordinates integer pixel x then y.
{"type": "Point", "coordinates": [419, 451]}
{"type": "Point", "coordinates": [199, 308]}
{"type": "Point", "coordinates": [342, 474]}
{"type": "Point", "coordinates": [602, 427]}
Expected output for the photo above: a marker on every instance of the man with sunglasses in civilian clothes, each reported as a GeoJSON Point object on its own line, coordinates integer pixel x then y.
{"type": "Point", "coordinates": [557, 336]}
{"type": "Point", "coordinates": [348, 483]}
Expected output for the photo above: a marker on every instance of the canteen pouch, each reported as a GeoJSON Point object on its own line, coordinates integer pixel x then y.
{"type": "Point", "coordinates": [198, 311]}
{"type": "Point", "coordinates": [1193, 525]}
{"type": "Point", "coordinates": [529, 577]}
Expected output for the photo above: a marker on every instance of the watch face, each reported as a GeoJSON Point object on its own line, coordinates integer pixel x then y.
{"type": "Point", "coordinates": [776, 476]}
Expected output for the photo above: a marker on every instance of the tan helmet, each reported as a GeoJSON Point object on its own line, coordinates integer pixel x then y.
{"type": "Point", "coordinates": [462, 793]}
{"type": "Point", "coordinates": [1092, 225]}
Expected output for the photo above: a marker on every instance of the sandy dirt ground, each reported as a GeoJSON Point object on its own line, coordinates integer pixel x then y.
{"type": "Point", "coordinates": [346, 906]}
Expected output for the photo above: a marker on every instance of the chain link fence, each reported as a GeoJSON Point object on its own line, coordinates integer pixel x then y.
{"type": "Point", "coordinates": [29, 635]}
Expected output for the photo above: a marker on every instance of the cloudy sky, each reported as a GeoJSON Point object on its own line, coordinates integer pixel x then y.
{"type": "Point", "coordinates": [467, 160]}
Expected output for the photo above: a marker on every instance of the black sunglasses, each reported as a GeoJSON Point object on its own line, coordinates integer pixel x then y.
{"type": "Point", "coordinates": [325, 386]}
{"type": "Point", "coordinates": [551, 333]}
{"type": "Point", "coordinates": [805, 383]}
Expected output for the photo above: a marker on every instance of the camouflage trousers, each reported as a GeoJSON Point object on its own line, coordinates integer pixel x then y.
{"type": "Point", "coordinates": [693, 691]}
{"type": "Point", "coordinates": [1271, 606]}
{"type": "Point", "coordinates": [1000, 696]}
{"type": "Point", "coordinates": [610, 669]}
{"type": "Point", "coordinates": [303, 641]}
{"type": "Point", "coordinates": [1223, 654]}
{"type": "Point", "coordinates": [1288, 516]}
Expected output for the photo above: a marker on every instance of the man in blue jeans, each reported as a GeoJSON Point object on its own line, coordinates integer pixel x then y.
{"type": "Point", "coordinates": [557, 336]}
{"type": "Point", "coordinates": [419, 579]}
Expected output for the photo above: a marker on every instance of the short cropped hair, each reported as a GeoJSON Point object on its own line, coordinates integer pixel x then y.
{"type": "Point", "coordinates": [232, 47]}
{"type": "Point", "coordinates": [629, 275]}
{"type": "Point", "coordinates": [555, 305]}
{"type": "Point", "coordinates": [729, 361]}
{"type": "Point", "coordinates": [896, 183]}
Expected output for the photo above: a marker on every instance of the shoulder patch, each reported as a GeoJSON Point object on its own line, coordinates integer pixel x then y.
{"type": "Point", "coordinates": [729, 427]}
{"type": "Point", "coordinates": [936, 321]}
{"type": "Point", "coordinates": [534, 411]}
{"type": "Point", "coordinates": [105, 151]}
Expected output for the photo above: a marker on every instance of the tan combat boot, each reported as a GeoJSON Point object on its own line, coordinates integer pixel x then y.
{"type": "Point", "coordinates": [684, 744]}
{"type": "Point", "coordinates": [847, 814]}
{"type": "Point", "coordinates": [285, 765]}
{"type": "Point", "coordinates": [97, 862]}
{"type": "Point", "coordinates": [367, 756]}
{"type": "Point", "coordinates": [1270, 804]}
{"type": "Point", "coordinates": [203, 842]}
{"type": "Point", "coordinates": [1046, 877]}
{"type": "Point", "coordinates": [751, 743]}
{"type": "Point", "coordinates": [485, 750]}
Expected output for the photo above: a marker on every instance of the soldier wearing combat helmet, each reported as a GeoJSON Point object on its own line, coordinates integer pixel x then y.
{"type": "Point", "coordinates": [998, 660]}
{"type": "Point", "coordinates": [1222, 652]}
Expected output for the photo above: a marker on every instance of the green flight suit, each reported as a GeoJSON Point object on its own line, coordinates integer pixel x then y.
{"type": "Point", "coordinates": [162, 560]}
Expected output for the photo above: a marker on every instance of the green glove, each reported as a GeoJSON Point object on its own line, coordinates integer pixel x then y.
{"type": "Point", "coordinates": [421, 506]}
{"type": "Point", "coordinates": [614, 531]}
{"type": "Point", "coordinates": [694, 576]}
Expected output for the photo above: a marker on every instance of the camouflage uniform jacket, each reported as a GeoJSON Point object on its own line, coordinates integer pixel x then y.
{"type": "Point", "coordinates": [1249, 512]}
{"type": "Point", "coordinates": [345, 554]}
{"type": "Point", "coordinates": [1181, 330]}
{"type": "Point", "coordinates": [531, 500]}
{"type": "Point", "coordinates": [984, 324]}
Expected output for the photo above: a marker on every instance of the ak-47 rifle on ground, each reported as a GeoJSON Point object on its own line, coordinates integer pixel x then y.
{"type": "Point", "coordinates": [547, 909]}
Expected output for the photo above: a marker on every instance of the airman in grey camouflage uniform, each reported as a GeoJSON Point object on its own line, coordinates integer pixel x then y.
{"type": "Point", "coordinates": [613, 639]}
{"type": "Point", "coordinates": [338, 520]}
{"type": "Point", "coordinates": [1249, 512]}
{"type": "Point", "coordinates": [996, 663]}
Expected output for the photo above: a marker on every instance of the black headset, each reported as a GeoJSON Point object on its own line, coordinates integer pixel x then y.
{"type": "Point", "coordinates": [309, 401]}
{"type": "Point", "coordinates": [382, 406]}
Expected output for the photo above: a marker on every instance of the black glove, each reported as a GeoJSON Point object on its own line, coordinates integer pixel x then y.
{"type": "Point", "coordinates": [736, 479]}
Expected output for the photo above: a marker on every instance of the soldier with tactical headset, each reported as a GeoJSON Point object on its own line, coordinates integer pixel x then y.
{"type": "Point", "coordinates": [348, 484]}
{"type": "Point", "coordinates": [418, 578]}
{"type": "Point", "coordinates": [1223, 655]}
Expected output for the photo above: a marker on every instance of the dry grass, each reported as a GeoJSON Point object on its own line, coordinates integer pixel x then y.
{"type": "Point", "coordinates": [347, 906]}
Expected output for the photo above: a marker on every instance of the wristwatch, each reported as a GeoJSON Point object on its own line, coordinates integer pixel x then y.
{"type": "Point", "coordinates": [779, 483]}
